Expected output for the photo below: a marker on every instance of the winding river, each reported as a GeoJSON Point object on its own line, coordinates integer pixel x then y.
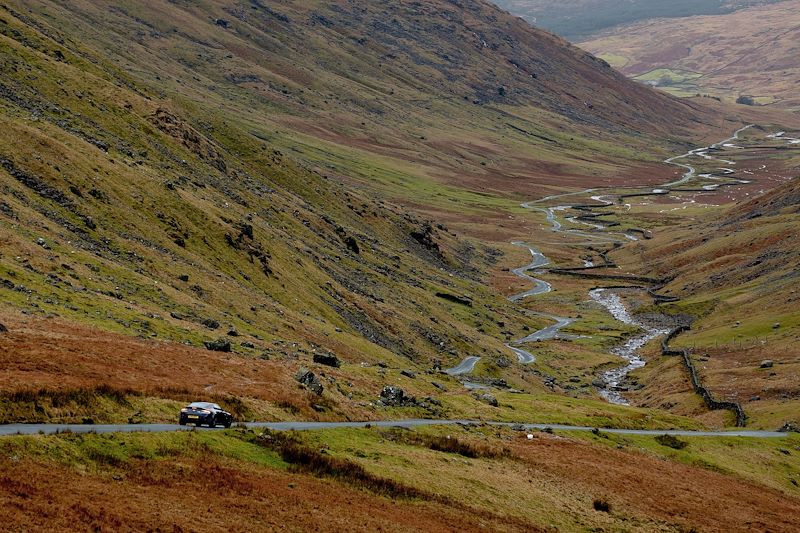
{"type": "Point", "coordinates": [629, 350]}
{"type": "Point", "coordinates": [612, 379]}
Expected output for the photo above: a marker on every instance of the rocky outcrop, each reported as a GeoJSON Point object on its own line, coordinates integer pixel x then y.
{"type": "Point", "coordinates": [424, 236]}
{"type": "Point", "coordinates": [395, 397]}
{"type": "Point", "coordinates": [327, 359]}
{"type": "Point", "coordinates": [219, 345]}
{"type": "Point", "coordinates": [489, 399]}
{"type": "Point", "coordinates": [310, 381]}
{"type": "Point", "coordinates": [462, 300]}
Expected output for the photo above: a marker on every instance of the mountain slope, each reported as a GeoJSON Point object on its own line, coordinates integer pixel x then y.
{"type": "Point", "coordinates": [191, 171]}
{"type": "Point", "coordinates": [389, 92]}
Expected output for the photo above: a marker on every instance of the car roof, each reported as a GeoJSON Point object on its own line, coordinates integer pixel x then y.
{"type": "Point", "coordinates": [202, 404]}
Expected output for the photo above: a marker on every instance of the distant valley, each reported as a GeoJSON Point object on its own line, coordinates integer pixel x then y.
{"type": "Point", "coordinates": [750, 55]}
{"type": "Point", "coordinates": [577, 20]}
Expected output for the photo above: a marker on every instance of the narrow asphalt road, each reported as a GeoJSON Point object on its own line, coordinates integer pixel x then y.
{"type": "Point", "coordinates": [50, 429]}
{"type": "Point", "coordinates": [464, 367]}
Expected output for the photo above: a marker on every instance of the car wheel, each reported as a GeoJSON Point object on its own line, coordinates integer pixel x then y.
{"type": "Point", "coordinates": [213, 422]}
{"type": "Point", "coordinates": [228, 423]}
{"type": "Point", "coordinates": [182, 422]}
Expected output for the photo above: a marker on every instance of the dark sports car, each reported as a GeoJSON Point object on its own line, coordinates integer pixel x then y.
{"type": "Point", "coordinates": [200, 413]}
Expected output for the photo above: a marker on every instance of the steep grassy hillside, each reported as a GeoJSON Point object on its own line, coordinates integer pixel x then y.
{"type": "Point", "coordinates": [751, 53]}
{"type": "Point", "coordinates": [398, 94]}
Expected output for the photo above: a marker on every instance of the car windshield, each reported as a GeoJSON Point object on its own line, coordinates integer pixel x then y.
{"type": "Point", "coordinates": [201, 405]}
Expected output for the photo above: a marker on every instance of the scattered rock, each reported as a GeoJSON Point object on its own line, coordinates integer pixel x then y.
{"type": "Point", "coordinates": [177, 316]}
{"type": "Point", "coordinates": [210, 323]}
{"type": "Point", "coordinates": [776, 325]}
{"type": "Point", "coordinates": [352, 244]}
{"type": "Point", "coordinates": [503, 362]}
{"type": "Point", "coordinates": [3, 328]}
{"type": "Point", "coordinates": [43, 243]}
{"type": "Point", "coordinates": [219, 345]}
{"type": "Point", "coordinates": [408, 374]}
{"type": "Point", "coordinates": [439, 386]}
{"type": "Point", "coordinates": [221, 23]}
{"type": "Point", "coordinates": [463, 300]}
{"type": "Point", "coordinates": [424, 236]}
{"type": "Point", "coordinates": [500, 383]}
{"type": "Point", "coordinates": [488, 399]}
{"type": "Point", "coordinates": [790, 427]}
{"type": "Point", "coordinates": [601, 505]}
{"type": "Point", "coordinates": [247, 344]}
{"type": "Point", "coordinates": [327, 359]}
{"type": "Point", "coordinates": [310, 380]}
{"type": "Point", "coordinates": [395, 397]}
{"type": "Point", "coordinates": [767, 363]}
{"type": "Point", "coordinates": [233, 333]}
{"type": "Point", "coordinates": [671, 441]}
{"type": "Point", "coordinates": [183, 277]}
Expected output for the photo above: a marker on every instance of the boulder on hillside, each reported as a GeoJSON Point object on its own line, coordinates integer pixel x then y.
{"type": "Point", "coordinates": [489, 399]}
{"type": "Point", "coordinates": [395, 397]}
{"type": "Point", "coordinates": [3, 328]}
{"type": "Point", "coordinates": [327, 359]}
{"type": "Point", "coordinates": [767, 363]}
{"type": "Point", "coordinates": [352, 244]}
{"type": "Point", "coordinates": [210, 323]}
{"type": "Point", "coordinates": [310, 380]}
{"type": "Point", "coordinates": [219, 345]}
{"type": "Point", "coordinates": [462, 300]}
